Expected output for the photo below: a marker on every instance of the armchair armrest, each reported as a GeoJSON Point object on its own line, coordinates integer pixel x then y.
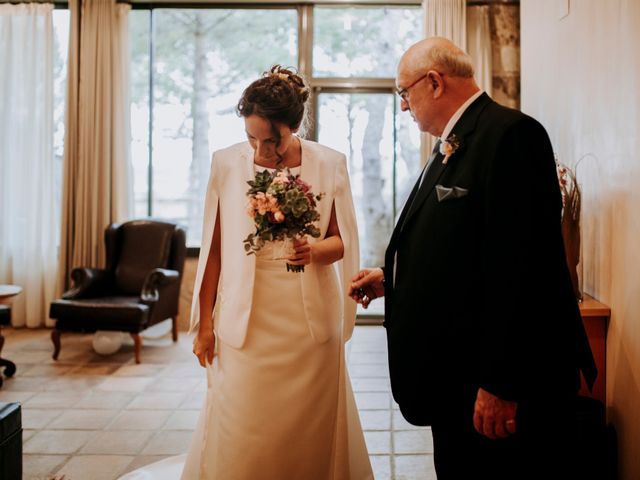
{"type": "Point", "coordinates": [88, 282]}
{"type": "Point", "coordinates": [156, 280]}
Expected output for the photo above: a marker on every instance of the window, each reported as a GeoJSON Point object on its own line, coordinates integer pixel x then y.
{"type": "Point", "coordinates": [60, 56]}
{"type": "Point", "coordinates": [189, 68]}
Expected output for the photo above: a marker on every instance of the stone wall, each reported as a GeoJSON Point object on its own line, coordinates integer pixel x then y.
{"type": "Point", "coordinates": [504, 20]}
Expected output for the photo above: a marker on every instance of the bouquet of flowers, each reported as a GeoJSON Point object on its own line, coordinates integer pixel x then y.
{"type": "Point", "coordinates": [282, 207]}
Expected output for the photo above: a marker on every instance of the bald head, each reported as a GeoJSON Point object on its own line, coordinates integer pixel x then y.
{"type": "Point", "coordinates": [437, 53]}
{"type": "Point", "coordinates": [434, 79]}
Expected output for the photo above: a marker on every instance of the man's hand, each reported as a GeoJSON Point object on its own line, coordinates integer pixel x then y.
{"type": "Point", "coordinates": [367, 285]}
{"type": "Point", "coordinates": [493, 417]}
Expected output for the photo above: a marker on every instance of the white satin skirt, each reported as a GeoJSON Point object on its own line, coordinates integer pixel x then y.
{"type": "Point", "coordinates": [279, 408]}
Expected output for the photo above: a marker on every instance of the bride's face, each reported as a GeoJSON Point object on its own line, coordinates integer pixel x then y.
{"type": "Point", "coordinates": [268, 144]}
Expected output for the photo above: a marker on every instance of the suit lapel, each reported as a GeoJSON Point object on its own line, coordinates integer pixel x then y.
{"type": "Point", "coordinates": [463, 129]}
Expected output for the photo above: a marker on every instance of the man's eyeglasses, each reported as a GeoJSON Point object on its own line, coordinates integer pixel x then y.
{"type": "Point", "coordinates": [403, 93]}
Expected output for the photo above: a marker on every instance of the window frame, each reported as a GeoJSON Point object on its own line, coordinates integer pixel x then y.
{"type": "Point", "coordinates": [318, 85]}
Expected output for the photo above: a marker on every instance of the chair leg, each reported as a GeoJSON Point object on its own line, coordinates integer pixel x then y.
{"type": "Point", "coordinates": [174, 328]}
{"type": "Point", "coordinates": [137, 344]}
{"type": "Point", "coordinates": [9, 366]}
{"type": "Point", "coordinates": [55, 338]}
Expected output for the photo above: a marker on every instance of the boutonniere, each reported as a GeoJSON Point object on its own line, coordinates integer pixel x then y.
{"type": "Point", "coordinates": [448, 147]}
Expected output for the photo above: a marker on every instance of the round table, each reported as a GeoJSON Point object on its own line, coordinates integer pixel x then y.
{"type": "Point", "coordinates": [8, 291]}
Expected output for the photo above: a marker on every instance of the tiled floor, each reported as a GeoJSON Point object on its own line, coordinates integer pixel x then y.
{"type": "Point", "coordinates": [89, 417]}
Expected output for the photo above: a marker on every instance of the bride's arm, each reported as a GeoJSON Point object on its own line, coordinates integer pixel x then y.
{"type": "Point", "coordinates": [326, 251]}
{"type": "Point", "coordinates": [205, 341]}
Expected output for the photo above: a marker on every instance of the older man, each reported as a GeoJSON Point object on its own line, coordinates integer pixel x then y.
{"type": "Point", "coordinates": [485, 337]}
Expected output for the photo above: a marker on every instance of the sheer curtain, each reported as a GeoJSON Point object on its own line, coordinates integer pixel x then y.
{"type": "Point", "coordinates": [479, 44]}
{"type": "Point", "coordinates": [97, 180]}
{"type": "Point", "coordinates": [443, 18]}
{"type": "Point", "coordinates": [29, 228]}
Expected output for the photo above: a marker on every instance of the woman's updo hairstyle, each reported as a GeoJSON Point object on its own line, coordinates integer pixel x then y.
{"type": "Point", "coordinates": [279, 96]}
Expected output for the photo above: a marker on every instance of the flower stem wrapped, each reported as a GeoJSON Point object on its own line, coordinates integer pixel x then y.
{"type": "Point", "coordinates": [282, 207]}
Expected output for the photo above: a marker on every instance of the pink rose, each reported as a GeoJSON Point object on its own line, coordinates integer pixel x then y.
{"type": "Point", "coordinates": [278, 216]}
{"type": "Point", "coordinates": [281, 179]}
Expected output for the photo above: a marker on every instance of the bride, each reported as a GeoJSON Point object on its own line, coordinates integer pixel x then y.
{"type": "Point", "coordinates": [279, 403]}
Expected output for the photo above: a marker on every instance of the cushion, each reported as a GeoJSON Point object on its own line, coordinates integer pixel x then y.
{"type": "Point", "coordinates": [144, 246]}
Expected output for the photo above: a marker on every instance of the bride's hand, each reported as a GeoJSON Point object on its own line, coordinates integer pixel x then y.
{"type": "Point", "coordinates": [203, 347]}
{"type": "Point", "coordinates": [302, 255]}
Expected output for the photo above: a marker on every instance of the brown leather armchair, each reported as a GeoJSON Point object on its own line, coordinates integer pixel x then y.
{"type": "Point", "coordinates": [139, 287]}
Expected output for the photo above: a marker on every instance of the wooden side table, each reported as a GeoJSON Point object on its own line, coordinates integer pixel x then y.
{"type": "Point", "coordinates": [595, 317]}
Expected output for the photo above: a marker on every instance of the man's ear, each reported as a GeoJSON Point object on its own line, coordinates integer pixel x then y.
{"type": "Point", "coordinates": [437, 83]}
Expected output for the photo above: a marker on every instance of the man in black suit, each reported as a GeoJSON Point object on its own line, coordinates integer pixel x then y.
{"type": "Point", "coordinates": [485, 338]}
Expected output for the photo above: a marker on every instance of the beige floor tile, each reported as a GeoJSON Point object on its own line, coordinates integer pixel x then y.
{"type": "Point", "coordinates": [378, 442]}
{"type": "Point", "coordinates": [53, 371]}
{"type": "Point", "coordinates": [381, 465]}
{"type": "Point", "coordinates": [369, 371]}
{"type": "Point", "coordinates": [27, 434]}
{"type": "Point", "coordinates": [412, 441]}
{"type": "Point", "coordinates": [143, 460]}
{"type": "Point", "coordinates": [117, 443]}
{"type": "Point", "coordinates": [72, 384]}
{"type": "Point", "coordinates": [157, 400]}
{"type": "Point", "coordinates": [168, 443]}
{"type": "Point", "coordinates": [39, 418]}
{"type": "Point", "coordinates": [372, 401]}
{"type": "Point", "coordinates": [57, 441]}
{"type": "Point", "coordinates": [83, 420]}
{"type": "Point", "coordinates": [359, 358]}
{"type": "Point", "coordinates": [399, 423]}
{"type": "Point", "coordinates": [55, 400]}
{"type": "Point", "coordinates": [140, 420]}
{"type": "Point", "coordinates": [29, 357]}
{"type": "Point", "coordinates": [40, 467]}
{"type": "Point", "coordinates": [201, 386]}
{"type": "Point", "coordinates": [25, 384]}
{"type": "Point", "coordinates": [184, 370]}
{"type": "Point", "coordinates": [95, 467]}
{"type": "Point", "coordinates": [125, 384]}
{"type": "Point", "coordinates": [182, 420]}
{"type": "Point", "coordinates": [375, 419]}
{"type": "Point", "coordinates": [370, 384]}
{"type": "Point", "coordinates": [414, 467]}
{"type": "Point", "coordinates": [123, 356]}
{"type": "Point", "coordinates": [105, 400]}
{"type": "Point", "coordinates": [138, 370]}
{"type": "Point", "coordinates": [100, 369]}
{"type": "Point", "coordinates": [194, 401]}
{"type": "Point", "coordinates": [22, 397]}
{"type": "Point", "coordinates": [173, 385]}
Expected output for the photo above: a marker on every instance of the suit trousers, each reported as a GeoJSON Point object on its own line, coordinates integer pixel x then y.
{"type": "Point", "coordinates": [541, 448]}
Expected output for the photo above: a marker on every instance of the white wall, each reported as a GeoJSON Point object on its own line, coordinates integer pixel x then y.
{"type": "Point", "coordinates": [581, 79]}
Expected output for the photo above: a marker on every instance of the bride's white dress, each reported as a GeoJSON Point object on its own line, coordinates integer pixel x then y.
{"type": "Point", "coordinates": [279, 408]}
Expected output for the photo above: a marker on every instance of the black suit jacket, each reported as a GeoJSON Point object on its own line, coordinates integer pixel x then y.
{"type": "Point", "coordinates": [482, 295]}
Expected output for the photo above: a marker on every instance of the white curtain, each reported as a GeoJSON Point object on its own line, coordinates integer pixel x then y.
{"type": "Point", "coordinates": [479, 44]}
{"type": "Point", "coordinates": [97, 187]}
{"type": "Point", "coordinates": [443, 18]}
{"type": "Point", "coordinates": [29, 229]}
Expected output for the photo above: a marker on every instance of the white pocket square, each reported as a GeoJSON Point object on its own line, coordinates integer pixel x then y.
{"type": "Point", "coordinates": [449, 193]}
